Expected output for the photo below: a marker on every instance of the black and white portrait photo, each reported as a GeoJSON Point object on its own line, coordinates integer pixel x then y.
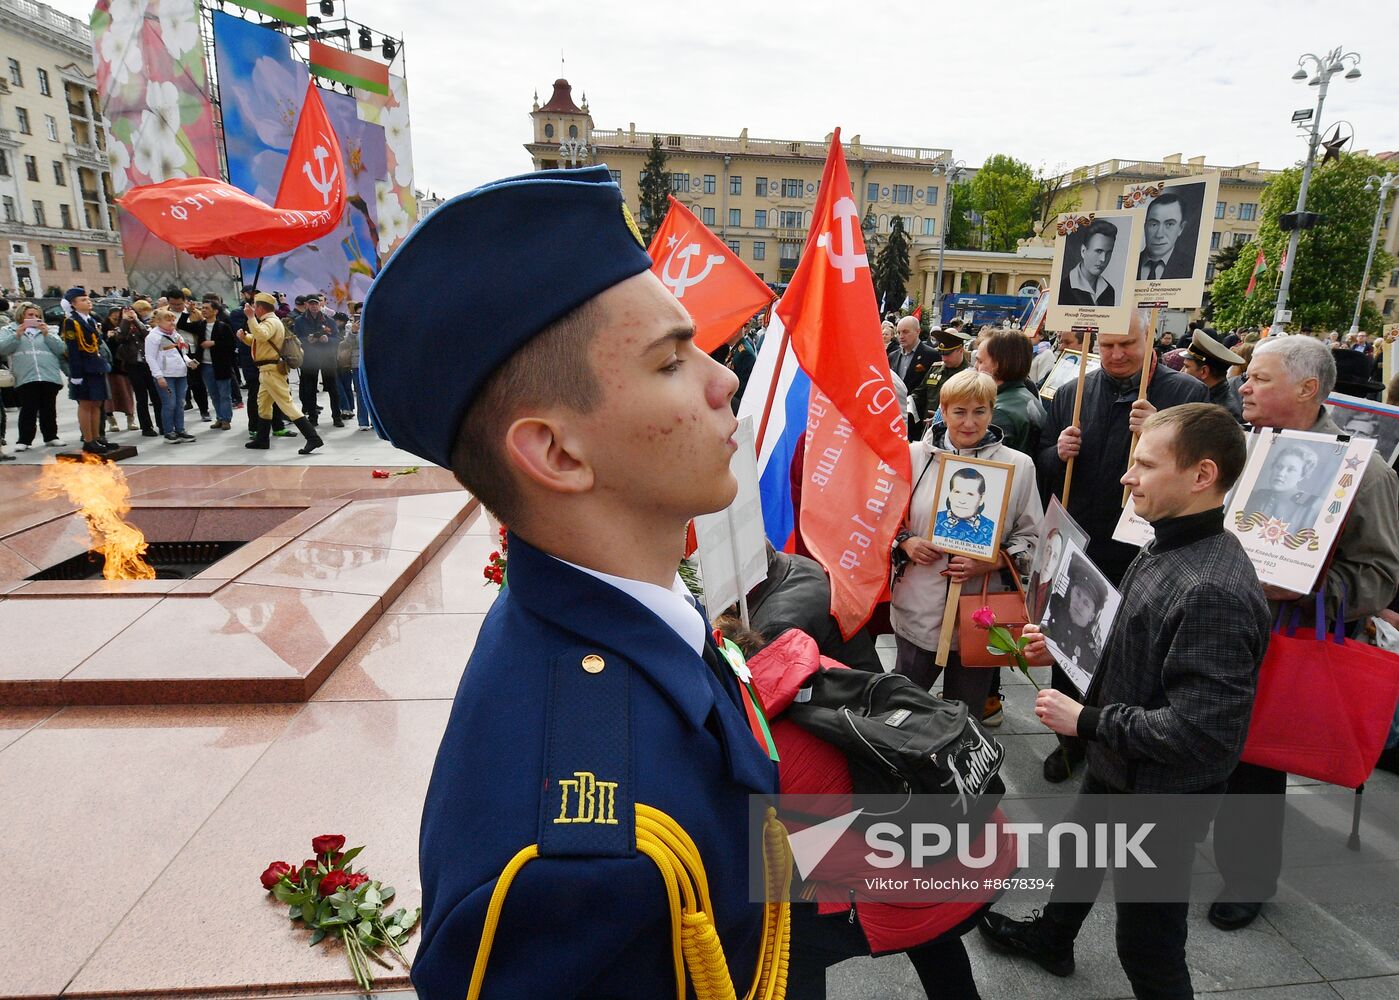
{"type": "Point", "coordinates": [1169, 269]}
{"type": "Point", "coordinates": [1094, 264]}
{"type": "Point", "coordinates": [1364, 418]}
{"type": "Point", "coordinates": [1082, 605]}
{"type": "Point", "coordinates": [1093, 277]}
{"type": "Point", "coordinates": [1057, 530]}
{"type": "Point", "coordinates": [1292, 482]}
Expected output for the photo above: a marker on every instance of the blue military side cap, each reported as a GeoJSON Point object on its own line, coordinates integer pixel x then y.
{"type": "Point", "coordinates": [473, 283]}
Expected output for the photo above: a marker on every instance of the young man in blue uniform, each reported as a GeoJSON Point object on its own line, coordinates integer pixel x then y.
{"type": "Point", "coordinates": [560, 382]}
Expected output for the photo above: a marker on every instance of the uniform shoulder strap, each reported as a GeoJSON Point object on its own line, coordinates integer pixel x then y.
{"type": "Point", "coordinates": [587, 808]}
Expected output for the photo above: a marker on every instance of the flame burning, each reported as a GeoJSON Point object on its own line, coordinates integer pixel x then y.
{"type": "Point", "coordinates": [99, 489]}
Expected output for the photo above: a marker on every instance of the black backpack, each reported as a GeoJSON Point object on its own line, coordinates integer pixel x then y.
{"type": "Point", "coordinates": [899, 738]}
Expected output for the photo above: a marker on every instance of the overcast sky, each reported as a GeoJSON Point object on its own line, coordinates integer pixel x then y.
{"type": "Point", "coordinates": [1053, 84]}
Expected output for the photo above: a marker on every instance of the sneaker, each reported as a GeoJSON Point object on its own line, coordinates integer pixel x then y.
{"type": "Point", "coordinates": [1031, 938]}
{"type": "Point", "coordinates": [6, 458]}
{"type": "Point", "coordinates": [56, 443]}
{"type": "Point", "coordinates": [173, 439]}
{"type": "Point", "coordinates": [993, 715]}
{"type": "Point", "coordinates": [284, 433]}
{"type": "Point", "coordinates": [185, 437]}
{"type": "Point", "coordinates": [237, 406]}
{"type": "Point", "coordinates": [366, 427]}
{"type": "Point", "coordinates": [21, 447]}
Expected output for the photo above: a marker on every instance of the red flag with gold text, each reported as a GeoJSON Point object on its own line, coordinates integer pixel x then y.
{"type": "Point", "coordinates": [856, 465]}
{"type": "Point", "coordinates": [717, 289]}
{"type": "Point", "coordinates": [205, 216]}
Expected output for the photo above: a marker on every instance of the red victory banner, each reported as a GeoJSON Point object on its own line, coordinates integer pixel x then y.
{"type": "Point", "coordinates": [205, 216]}
{"type": "Point", "coordinates": [717, 289]}
{"type": "Point", "coordinates": [856, 464]}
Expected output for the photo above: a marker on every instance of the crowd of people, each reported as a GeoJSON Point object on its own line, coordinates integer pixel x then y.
{"type": "Point", "coordinates": [155, 362]}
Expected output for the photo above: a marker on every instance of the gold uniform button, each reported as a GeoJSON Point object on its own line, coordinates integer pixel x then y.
{"type": "Point", "coordinates": [593, 663]}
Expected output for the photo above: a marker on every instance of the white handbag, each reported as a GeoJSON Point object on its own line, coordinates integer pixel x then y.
{"type": "Point", "coordinates": [7, 379]}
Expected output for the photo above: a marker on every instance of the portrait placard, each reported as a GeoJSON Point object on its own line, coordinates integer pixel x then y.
{"type": "Point", "coordinates": [1065, 372]}
{"type": "Point", "coordinates": [1078, 616]}
{"type": "Point", "coordinates": [970, 506]}
{"type": "Point", "coordinates": [1292, 500]}
{"type": "Point", "coordinates": [1035, 319]}
{"type": "Point", "coordinates": [1169, 270]}
{"type": "Point", "coordinates": [1057, 531]}
{"type": "Point", "coordinates": [1366, 418]}
{"type": "Point", "coordinates": [1093, 278]}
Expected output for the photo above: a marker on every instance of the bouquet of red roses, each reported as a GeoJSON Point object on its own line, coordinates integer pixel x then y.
{"type": "Point", "coordinates": [334, 900]}
{"type": "Point", "coordinates": [495, 563]}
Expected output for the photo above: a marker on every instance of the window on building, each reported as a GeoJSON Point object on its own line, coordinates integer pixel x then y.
{"type": "Point", "coordinates": [735, 216]}
{"type": "Point", "coordinates": [4, 164]}
{"type": "Point", "coordinates": [679, 183]}
{"type": "Point", "coordinates": [31, 168]}
{"type": "Point", "coordinates": [792, 187]}
{"type": "Point", "coordinates": [65, 216]}
{"type": "Point", "coordinates": [789, 219]}
{"type": "Point", "coordinates": [22, 121]}
{"type": "Point", "coordinates": [51, 128]}
{"type": "Point", "coordinates": [1209, 271]}
{"type": "Point", "coordinates": [616, 176]}
{"type": "Point", "coordinates": [1248, 212]}
{"type": "Point", "coordinates": [760, 219]}
{"type": "Point", "coordinates": [789, 251]}
{"type": "Point", "coordinates": [1394, 279]}
{"type": "Point", "coordinates": [573, 131]}
{"type": "Point", "coordinates": [39, 218]}
{"type": "Point", "coordinates": [903, 194]}
{"type": "Point", "coordinates": [58, 176]}
{"type": "Point", "coordinates": [1389, 307]}
{"type": "Point", "coordinates": [16, 76]}
{"type": "Point", "coordinates": [872, 191]}
{"type": "Point", "coordinates": [708, 216]}
{"type": "Point", "coordinates": [884, 223]}
{"type": "Point", "coordinates": [1219, 210]}
{"type": "Point", "coordinates": [9, 208]}
{"type": "Point", "coordinates": [760, 250]}
{"type": "Point", "coordinates": [760, 187]}
{"type": "Point", "coordinates": [930, 227]}
{"type": "Point", "coordinates": [1241, 238]}
{"type": "Point", "coordinates": [709, 182]}
{"type": "Point", "coordinates": [102, 264]}
{"type": "Point", "coordinates": [548, 130]}
{"type": "Point", "coordinates": [932, 195]}
{"type": "Point", "coordinates": [735, 185]}
{"type": "Point", "coordinates": [44, 83]}
{"type": "Point", "coordinates": [1214, 240]}
{"type": "Point", "coordinates": [75, 258]}
{"type": "Point", "coordinates": [46, 252]}
{"type": "Point", "coordinates": [733, 245]}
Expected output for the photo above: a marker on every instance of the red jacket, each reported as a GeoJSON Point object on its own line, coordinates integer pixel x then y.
{"type": "Point", "coordinates": [810, 766]}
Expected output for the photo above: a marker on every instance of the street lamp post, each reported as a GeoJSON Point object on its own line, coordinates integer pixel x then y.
{"type": "Point", "coordinates": [1324, 68]}
{"type": "Point", "coordinates": [952, 170]}
{"type": "Point", "coordinates": [1385, 185]}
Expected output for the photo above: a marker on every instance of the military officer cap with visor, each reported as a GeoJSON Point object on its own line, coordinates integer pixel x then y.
{"type": "Point", "coordinates": [1205, 350]}
{"type": "Point", "coordinates": [948, 339]}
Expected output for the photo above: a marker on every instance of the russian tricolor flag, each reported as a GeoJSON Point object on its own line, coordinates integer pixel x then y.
{"type": "Point", "coordinates": [786, 429]}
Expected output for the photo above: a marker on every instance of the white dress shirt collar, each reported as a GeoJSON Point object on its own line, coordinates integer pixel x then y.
{"type": "Point", "coordinates": [671, 606]}
{"type": "Point", "coordinates": [1076, 280]}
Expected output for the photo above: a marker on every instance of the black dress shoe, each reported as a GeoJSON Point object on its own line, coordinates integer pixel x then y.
{"type": "Point", "coordinates": [1228, 915]}
{"type": "Point", "coordinates": [1059, 766]}
{"type": "Point", "coordinates": [1030, 938]}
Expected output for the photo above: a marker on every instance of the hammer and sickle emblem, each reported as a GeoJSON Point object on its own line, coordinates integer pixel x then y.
{"type": "Point", "coordinates": [321, 183]}
{"type": "Point", "coordinates": [679, 283]}
{"type": "Point", "coordinates": [846, 262]}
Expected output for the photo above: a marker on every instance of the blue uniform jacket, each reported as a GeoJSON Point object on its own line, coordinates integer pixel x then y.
{"type": "Point", "coordinates": [533, 739]}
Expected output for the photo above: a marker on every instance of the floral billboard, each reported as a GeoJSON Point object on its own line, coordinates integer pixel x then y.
{"type": "Point", "coordinates": [154, 80]}
{"type": "Point", "coordinates": [261, 87]}
{"type": "Point", "coordinates": [398, 205]}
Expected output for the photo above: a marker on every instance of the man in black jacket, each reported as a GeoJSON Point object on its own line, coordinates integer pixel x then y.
{"type": "Point", "coordinates": [912, 361]}
{"type": "Point", "coordinates": [1100, 446]}
{"type": "Point", "coordinates": [319, 336]}
{"type": "Point", "coordinates": [1168, 709]}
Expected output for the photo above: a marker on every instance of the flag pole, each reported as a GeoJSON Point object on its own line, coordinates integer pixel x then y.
{"type": "Point", "coordinates": [1084, 351]}
{"type": "Point", "coordinates": [1148, 357]}
{"type": "Point", "coordinates": [772, 389]}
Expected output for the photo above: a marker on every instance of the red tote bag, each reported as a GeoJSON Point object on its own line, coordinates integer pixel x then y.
{"type": "Point", "coordinates": [1324, 703]}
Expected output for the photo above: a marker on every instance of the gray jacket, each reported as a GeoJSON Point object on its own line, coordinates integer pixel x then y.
{"type": "Point", "coordinates": [34, 357]}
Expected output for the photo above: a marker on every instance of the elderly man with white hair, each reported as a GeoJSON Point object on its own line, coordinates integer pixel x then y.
{"type": "Point", "coordinates": [1289, 379]}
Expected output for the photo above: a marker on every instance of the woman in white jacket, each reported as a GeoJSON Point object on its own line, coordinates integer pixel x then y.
{"type": "Point", "coordinates": [920, 592]}
{"type": "Point", "coordinates": [167, 356]}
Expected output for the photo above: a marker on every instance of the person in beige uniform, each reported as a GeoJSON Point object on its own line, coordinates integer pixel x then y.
{"type": "Point", "coordinates": [265, 336]}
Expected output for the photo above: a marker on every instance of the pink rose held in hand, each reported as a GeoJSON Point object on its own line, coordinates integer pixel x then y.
{"type": "Point", "coordinates": [984, 617]}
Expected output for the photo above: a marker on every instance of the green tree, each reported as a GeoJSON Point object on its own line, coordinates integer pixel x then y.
{"type": "Point", "coordinates": [1051, 199]}
{"type": "Point", "coordinates": [891, 268]}
{"type": "Point", "coordinates": [961, 234]}
{"type": "Point", "coordinates": [1330, 258]}
{"type": "Point", "coordinates": [655, 190]}
{"type": "Point", "coordinates": [1003, 193]}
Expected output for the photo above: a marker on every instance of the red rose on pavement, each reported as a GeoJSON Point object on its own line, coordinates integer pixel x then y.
{"type": "Point", "coordinates": [356, 880]}
{"type": "Point", "coordinates": [274, 874]}
{"type": "Point", "coordinates": [332, 882]}
{"type": "Point", "coordinates": [327, 843]}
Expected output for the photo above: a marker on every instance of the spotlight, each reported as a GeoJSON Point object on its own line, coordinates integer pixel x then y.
{"type": "Point", "coordinates": [389, 49]}
{"type": "Point", "coordinates": [313, 20]}
{"type": "Point", "coordinates": [366, 40]}
{"type": "Point", "coordinates": [327, 7]}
